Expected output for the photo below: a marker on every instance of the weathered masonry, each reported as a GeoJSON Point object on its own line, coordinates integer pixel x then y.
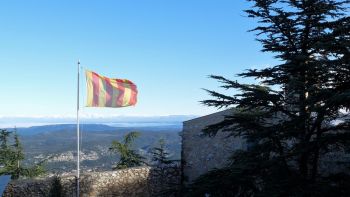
{"type": "Point", "coordinates": [202, 153]}
{"type": "Point", "coordinates": [131, 182]}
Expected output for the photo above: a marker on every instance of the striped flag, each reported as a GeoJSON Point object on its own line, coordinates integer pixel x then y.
{"type": "Point", "coordinates": [107, 92]}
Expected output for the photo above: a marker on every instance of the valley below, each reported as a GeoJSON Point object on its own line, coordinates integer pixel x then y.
{"type": "Point", "coordinates": [56, 145]}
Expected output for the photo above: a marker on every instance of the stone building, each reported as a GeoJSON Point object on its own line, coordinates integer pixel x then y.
{"type": "Point", "coordinates": [202, 153]}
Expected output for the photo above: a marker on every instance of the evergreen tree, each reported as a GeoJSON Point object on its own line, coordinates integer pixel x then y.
{"type": "Point", "coordinates": [163, 166]}
{"type": "Point", "coordinates": [11, 157]}
{"type": "Point", "coordinates": [128, 157]}
{"type": "Point", "coordinates": [17, 157]}
{"type": "Point", "coordinates": [4, 135]}
{"type": "Point", "coordinates": [296, 116]}
{"type": "Point", "coordinates": [5, 151]}
{"type": "Point", "coordinates": [160, 155]}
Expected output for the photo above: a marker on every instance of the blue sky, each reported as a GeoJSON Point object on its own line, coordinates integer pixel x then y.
{"type": "Point", "coordinates": [168, 48]}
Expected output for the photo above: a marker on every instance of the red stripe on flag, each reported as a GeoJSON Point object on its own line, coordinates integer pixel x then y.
{"type": "Point", "coordinates": [96, 89]}
{"type": "Point", "coordinates": [133, 97]}
{"type": "Point", "coordinates": [120, 97]}
{"type": "Point", "coordinates": [109, 92]}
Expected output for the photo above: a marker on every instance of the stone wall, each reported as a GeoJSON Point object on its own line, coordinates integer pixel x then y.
{"type": "Point", "coordinates": [37, 187]}
{"type": "Point", "coordinates": [202, 153]}
{"type": "Point", "coordinates": [140, 181]}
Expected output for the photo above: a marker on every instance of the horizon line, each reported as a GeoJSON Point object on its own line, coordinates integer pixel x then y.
{"type": "Point", "coordinates": [95, 116]}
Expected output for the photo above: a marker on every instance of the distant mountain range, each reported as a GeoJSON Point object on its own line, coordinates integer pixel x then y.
{"type": "Point", "coordinates": [142, 127]}
{"type": "Point", "coordinates": [61, 127]}
{"type": "Point", "coordinates": [123, 121]}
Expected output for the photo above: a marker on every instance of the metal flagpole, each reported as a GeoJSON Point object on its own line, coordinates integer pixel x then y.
{"type": "Point", "coordinates": [78, 135]}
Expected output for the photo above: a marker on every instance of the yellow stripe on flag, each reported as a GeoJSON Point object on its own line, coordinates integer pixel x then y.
{"type": "Point", "coordinates": [89, 88]}
{"type": "Point", "coordinates": [127, 94]}
{"type": "Point", "coordinates": [102, 93]}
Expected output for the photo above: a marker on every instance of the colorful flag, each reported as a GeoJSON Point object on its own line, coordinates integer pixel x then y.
{"type": "Point", "coordinates": [107, 92]}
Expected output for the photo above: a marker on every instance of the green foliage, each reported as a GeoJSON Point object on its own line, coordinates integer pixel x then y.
{"type": "Point", "coordinates": [5, 151]}
{"type": "Point", "coordinates": [128, 157]}
{"type": "Point", "coordinates": [11, 156]}
{"type": "Point", "coordinates": [162, 165]}
{"type": "Point", "coordinates": [160, 155]}
{"type": "Point", "coordinates": [295, 115]}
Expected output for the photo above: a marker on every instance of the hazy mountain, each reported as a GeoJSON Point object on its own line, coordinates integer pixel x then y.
{"type": "Point", "coordinates": [61, 128]}
{"type": "Point", "coordinates": [11, 122]}
{"type": "Point", "coordinates": [24, 131]}
{"type": "Point", "coordinates": [57, 143]}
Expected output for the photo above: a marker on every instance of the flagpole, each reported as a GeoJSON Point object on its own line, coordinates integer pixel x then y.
{"type": "Point", "coordinates": [78, 134]}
